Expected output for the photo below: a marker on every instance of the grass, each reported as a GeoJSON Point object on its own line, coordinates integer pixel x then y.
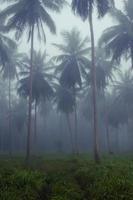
{"type": "Point", "coordinates": [56, 177]}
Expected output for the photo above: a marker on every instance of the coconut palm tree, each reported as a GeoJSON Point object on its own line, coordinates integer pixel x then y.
{"type": "Point", "coordinates": [104, 71]}
{"type": "Point", "coordinates": [71, 60]}
{"type": "Point", "coordinates": [19, 121]}
{"type": "Point", "coordinates": [6, 45]}
{"type": "Point", "coordinates": [118, 39]}
{"type": "Point", "coordinates": [10, 72]}
{"type": "Point", "coordinates": [124, 89]}
{"type": "Point", "coordinates": [104, 76]}
{"type": "Point", "coordinates": [70, 65]}
{"type": "Point", "coordinates": [119, 103]}
{"type": "Point", "coordinates": [65, 104]}
{"type": "Point", "coordinates": [30, 15]}
{"type": "Point", "coordinates": [85, 10]}
{"type": "Point", "coordinates": [41, 89]}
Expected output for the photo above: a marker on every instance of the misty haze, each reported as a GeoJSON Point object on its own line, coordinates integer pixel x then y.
{"type": "Point", "coordinates": [66, 100]}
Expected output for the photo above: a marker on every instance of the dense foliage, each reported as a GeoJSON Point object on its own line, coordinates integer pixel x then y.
{"type": "Point", "coordinates": [67, 178]}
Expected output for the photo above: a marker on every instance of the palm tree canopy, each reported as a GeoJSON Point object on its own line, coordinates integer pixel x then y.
{"type": "Point", "coordinates": [72, 59]}
{"type": "Point", "coordinates": [20, 114]}
{"type": "Point", "coordinates": [41, 88]}
{"type": "Point", "coordinates": [13, 64]}
{"type": "Point", "coordinates": [124, 87]}
{"type": "Point", "coordinates": [40, 84]}
{"type": "Point", "coordinates": [40, 64]}
{"type": "Point", "coordinates": [117, 114]}
{"type": "Point", "coordinates": [120, 107]}
{"type": "Point", "coordinates": [84, 7]}
{"type": "Point", "coordinates": [118, 39]}
{"type": "Point", "coordinates": [9, 57]}
{"type": "Point", "coordinates": [104, 70]}
{"type": "Point", "coordinates": [6, 46]}
{"type": "Point", "coordinates": [24, 14]}
{"type": "Point", "coordinates": [65, 100]}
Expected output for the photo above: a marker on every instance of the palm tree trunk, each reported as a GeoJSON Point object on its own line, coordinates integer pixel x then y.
{"type": "Point", "coordinates": [132, 56]}
{"type": "Point", "coordinates": [9, 121]}
{"type": "Point", "coordinates": [28, 148]}
{"type": "Point", "coordinates": [70, 131]}
{"type": "Point", "coordinates": [117, 140]}
{"type": "Point", "coordinates": [76, 123]}
{"type": "Point", "coordinates": [35, 129]}
{"type": "Point", "coordinates": [108, 141]}
{"type": "Point", "coordinates": [60, 133]}
{"type": "Point", "coordinates": [94, 93]}
{"type": "Point", "coordinates": [0, 142]}
{"type": "Point", "coordinates": [106, 125]}
{"type": "Point", "coordinates": [35, 124]}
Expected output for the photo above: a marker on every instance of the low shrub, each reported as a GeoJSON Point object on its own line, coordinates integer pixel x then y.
{"type": "Point", "coordinates": [106, 182]}
{"type": "Point", "coordinates": [78, 179]}
{"type": "Point", "coordinates": [21, 185]}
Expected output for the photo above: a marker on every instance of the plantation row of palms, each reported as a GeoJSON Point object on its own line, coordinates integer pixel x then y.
{"type": "Point", "coordinates": [79, 67]}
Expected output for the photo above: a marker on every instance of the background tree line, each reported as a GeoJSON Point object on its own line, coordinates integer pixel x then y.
{"type": "Point", "coordinates": [75, 101]}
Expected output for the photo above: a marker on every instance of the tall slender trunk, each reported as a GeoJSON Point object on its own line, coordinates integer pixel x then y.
{"type": "Point", "coordinates": [29, 128]}
{"type": "Point", "coordinates": [70, 131]}
{"type": "Point", "coordinates": [9, 120]}
{"type": "Point", "coordinates": [108, 141]}
{"type": "Point", "coordinates": [132, 55]}
{"type": "Point", "coordinates": [60, 133]}
{"type": "Point", "coordinates": [117, 140]}
{"type": "Point", "coordinates": [35, 123]}
{"type": "Point", "coordinates": [0, 142]}
{"type": "Point", "coordinates": [76, 123]}
{"type": "Point", "coordinates": [35, 129]}
{"type": "Point", "coordinates": [94, 93]}
{"type": "Point", "coordinates": [106, 125]}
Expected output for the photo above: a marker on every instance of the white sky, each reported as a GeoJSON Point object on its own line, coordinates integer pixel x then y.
{"type": "Point", "coordinates": [66, 21]}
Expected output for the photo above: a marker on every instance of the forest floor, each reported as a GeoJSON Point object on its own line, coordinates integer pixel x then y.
{"type": "Point", "coordinates": [66, 178]}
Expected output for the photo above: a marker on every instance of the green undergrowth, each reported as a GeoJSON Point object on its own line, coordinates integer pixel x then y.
{"type": "Point", "coordinates": [66, 178]}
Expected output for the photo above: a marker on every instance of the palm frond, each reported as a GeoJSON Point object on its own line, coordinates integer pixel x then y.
{"type": "Point", "coordinates": [47, 20]}
{"type": "Point", "coordinates": [54, 5]}
{"type": "Point", "coordinates": [83, 8]}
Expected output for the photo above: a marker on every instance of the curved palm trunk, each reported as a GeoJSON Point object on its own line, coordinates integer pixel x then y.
{"type": "Point", "coordinates": [28, 148]}
{"type": "Point", "coordinates": [76, 123]}
{"type": "Point", "coordinates": [9, 121]}
{"type": "Point", "coordinates": [70, 131]}
{"type": "Point", "coordinates": [94, 93]}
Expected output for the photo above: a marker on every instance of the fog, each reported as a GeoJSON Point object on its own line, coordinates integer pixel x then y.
{"type": "Point", "coordinates": [66, 100]}
{"type": "Point", "coordinates": [61, 106]}
{"type": "Point", "coordinates": [66, 20]}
